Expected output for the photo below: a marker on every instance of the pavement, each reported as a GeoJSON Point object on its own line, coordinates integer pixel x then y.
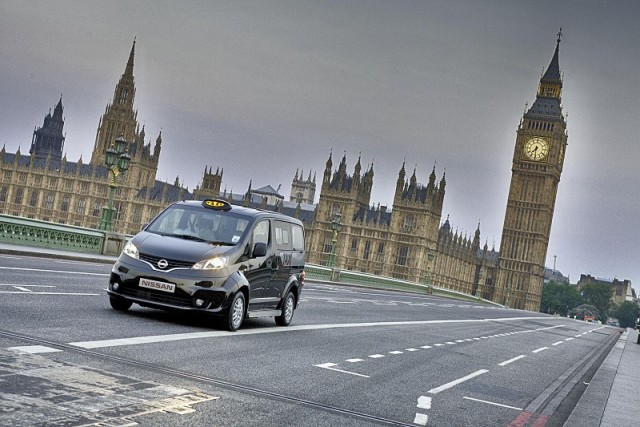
{"type": "Point", "coordinates": [611, 399]}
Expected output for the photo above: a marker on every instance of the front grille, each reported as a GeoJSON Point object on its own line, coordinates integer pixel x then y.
{"type": "Point", "coordinates": [171, 263]}
{"type": "Point", "coordinates": [179, 298]}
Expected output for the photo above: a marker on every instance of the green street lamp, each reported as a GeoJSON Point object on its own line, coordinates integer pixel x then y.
{"type": "Point", "coordinates": [117, 161]}
{"type": "Point", "coordinates": [479, 288]}
{"type": "Point", "coordinates": [427, 273]}
{"type": "Point", "coordinates": [336, 226]}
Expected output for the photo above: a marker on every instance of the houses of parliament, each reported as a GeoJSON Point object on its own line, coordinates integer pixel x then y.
{"type": "Point", "coordinates": [410, 241]}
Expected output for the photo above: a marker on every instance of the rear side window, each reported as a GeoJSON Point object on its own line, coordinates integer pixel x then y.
{"type": "Point", "coordinates": [283, 235]}
{"type": "Point", "coordinates": [298, 237]}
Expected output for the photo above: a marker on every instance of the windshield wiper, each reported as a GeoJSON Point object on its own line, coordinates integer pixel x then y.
{"type": "Point", "coordinates": [187, 237]}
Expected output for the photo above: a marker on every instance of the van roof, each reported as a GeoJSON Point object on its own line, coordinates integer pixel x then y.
{"type": "Point", "coordinates": [244, 211]}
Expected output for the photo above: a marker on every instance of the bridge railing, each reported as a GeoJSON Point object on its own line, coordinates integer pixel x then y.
{"type": "Point", "coordinates": [319, 272]}
{"type": "Point", "coordinates": [44, 234]}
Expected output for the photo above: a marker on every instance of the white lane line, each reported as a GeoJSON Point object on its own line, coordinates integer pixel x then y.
{"type": "Point", "coordinates": [50, 293]}
{"type": "Point", "coordinates": [20, 288]}
{"type": "Point", "coordinates": [458, 381]}
{"type": "Point", "coordinates": [53, 271]}
{"type": "Point", "coordinates": [506, 362]}
{"type": "Point", "coordinates": [425, 346]}
{"type": "Point", "coordinates": [31, 286]}
{"type": "Point", "coordinates": [557, 343]}
{"type": "Point", "coordinates": [83, 263]}
{"type": "Point", "coordinates": [272, 330]}
{"type": "Point", "coordinates": [450, 343]}
{"type": "Point", "coordinates": [412, 349]}
{"type": "Point", "coordinates": [330, 366]}
{"type": "Point", "coordinates": [421, 419]}
{"type": "Point", "coordinates": [34, 349]}
{"type": "Point", "coordinates": [569, 339]}
{"type": "Point", "coordinates": [396, 352]}
{"type": "Point", "coordinates": [424, 402]}
{"type": "Point", "coordinates": [492, 403]}
{"type": "Point", "coordinates": [538, 350]}
{"type": "Point", "coordinates": [438, 345]}
{"type": "Point", "coordinates": [354, 360]}
{"type": "Point", "coordinates": [376, 356]}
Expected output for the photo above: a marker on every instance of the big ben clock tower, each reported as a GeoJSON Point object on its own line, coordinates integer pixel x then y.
{"type": "Point", "coordinates": [537, 165]}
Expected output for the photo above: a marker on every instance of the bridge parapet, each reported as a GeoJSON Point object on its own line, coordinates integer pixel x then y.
{"type": "Point", "coordinates": [33, 232]}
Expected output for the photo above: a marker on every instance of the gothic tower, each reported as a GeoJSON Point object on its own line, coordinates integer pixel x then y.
{"type": "Point", "coordinates": [303, 190]}
{"type": "Point", "coordinates": [48, 141]}
{"type": "Point", "coordinates": [537, 165]}
{"type": "Point", "coordinates": [120, 119]}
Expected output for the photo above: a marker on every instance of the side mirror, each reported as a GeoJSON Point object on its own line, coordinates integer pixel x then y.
{"type": "Point", "coordinates": [260, 249]}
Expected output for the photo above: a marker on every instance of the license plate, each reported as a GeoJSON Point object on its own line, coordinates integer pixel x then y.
{"type": "Point", "coordinates": [158, 286]}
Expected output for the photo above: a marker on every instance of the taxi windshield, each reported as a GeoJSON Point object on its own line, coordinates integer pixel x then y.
{"type": "Point", "coordinates": [197, 223]}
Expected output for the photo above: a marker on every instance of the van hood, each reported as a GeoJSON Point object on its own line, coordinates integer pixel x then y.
{"type": "Point", "coordinates": [176, 248]}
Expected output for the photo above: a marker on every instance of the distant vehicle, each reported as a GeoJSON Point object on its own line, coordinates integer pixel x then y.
{"type": "Point", "coordinates": [213, 257]}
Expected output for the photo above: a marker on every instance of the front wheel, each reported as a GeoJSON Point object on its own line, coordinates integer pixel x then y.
{"type": "Point", "coordinates": [119, 304]}
{"type": "Point", "coordinates": [288, 306]}
{"type": "Point", "coordinates": [235, 316]}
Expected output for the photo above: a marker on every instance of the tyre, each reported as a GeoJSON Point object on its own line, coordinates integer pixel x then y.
{"type": "Point", "coordinates": [235, 316]}
{"type": "Point", "coordinates": [288, 306]}
{"type": "Point", "coordinates": [119, 304]}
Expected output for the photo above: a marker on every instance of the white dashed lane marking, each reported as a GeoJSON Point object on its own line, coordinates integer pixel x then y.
{"type": "Point", "coordinates": [453, 383]}
{"type": "Point", "coordinates": [506, 362]}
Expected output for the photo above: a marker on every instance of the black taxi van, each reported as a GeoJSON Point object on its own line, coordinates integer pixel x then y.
{"type": "Point", "coordinates": [210, 256]}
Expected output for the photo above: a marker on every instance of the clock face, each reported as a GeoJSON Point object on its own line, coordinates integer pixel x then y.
{"type": "Point", "coordinates": [536, 149]}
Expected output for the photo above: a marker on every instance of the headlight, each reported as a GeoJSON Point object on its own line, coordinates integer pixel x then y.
{"type": "Point", "coordinates": [131, 250]}
{"type": "Point", "coordinates": [211, 264]}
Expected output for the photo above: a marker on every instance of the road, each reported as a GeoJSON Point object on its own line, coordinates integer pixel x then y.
{"type": "Point", "coordinates": [351, 357]}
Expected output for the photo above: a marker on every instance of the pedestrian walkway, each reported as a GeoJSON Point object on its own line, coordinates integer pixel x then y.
{"type": "Point", "coordinates": [612, 398]}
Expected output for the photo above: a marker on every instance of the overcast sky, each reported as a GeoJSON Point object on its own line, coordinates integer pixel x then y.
{"type": "Point", "coordinates": [262, 88]}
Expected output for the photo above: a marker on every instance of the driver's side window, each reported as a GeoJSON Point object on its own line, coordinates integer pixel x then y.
{"type": "Point", "coordinates": [261, 233]}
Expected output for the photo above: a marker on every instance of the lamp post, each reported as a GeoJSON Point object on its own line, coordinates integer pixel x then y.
{"type": "Point", "coordinates": [336, 226]}
{"type": "Point", "coordinates": [427, 273]}
{"type": "Point", "coordinates": [508, 294]}
{"type": "Point", "coordinates": [117, 161]}
{"type": "Point", "coordinates": [479, 288]}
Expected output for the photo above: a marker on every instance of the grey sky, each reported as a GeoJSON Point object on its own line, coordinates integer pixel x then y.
{"type": "Point", "coordinates": [261, 88]}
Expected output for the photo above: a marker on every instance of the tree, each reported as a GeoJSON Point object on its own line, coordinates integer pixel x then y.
{"type": "Point", "coordinates": [559, 298]}
{"type": "Point", "coordinates": [599, 295]}
{"type": "Point", "coordinates": [627, 314]}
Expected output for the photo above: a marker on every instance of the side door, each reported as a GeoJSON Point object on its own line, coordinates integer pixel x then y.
{"type": "Point", "coordinates": [259, 269]}
{"type": "Point", "coordinates": [282, 271]}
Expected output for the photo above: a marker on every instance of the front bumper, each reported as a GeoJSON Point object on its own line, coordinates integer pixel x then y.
{"type": "Point", "coordinates": [194, 290]}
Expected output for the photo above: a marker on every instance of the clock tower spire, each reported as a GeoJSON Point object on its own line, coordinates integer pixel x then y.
{"type": "Point", "coordinates": [538, 158]}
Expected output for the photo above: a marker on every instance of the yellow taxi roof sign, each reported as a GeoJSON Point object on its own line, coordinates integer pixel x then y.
{"type": "Point", "coordinates": [219, 205]}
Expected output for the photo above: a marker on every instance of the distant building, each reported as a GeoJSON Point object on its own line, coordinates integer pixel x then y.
{"type": "Point", "coordinates": [622, 290]}
{"type": "Point", "coordinates": [303, 190]}
{"type": "Point", "coordinates": [551, 275]}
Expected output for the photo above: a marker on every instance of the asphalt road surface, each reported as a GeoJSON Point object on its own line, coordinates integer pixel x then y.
{"type": "Point", "coordinates": [351, 357]}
